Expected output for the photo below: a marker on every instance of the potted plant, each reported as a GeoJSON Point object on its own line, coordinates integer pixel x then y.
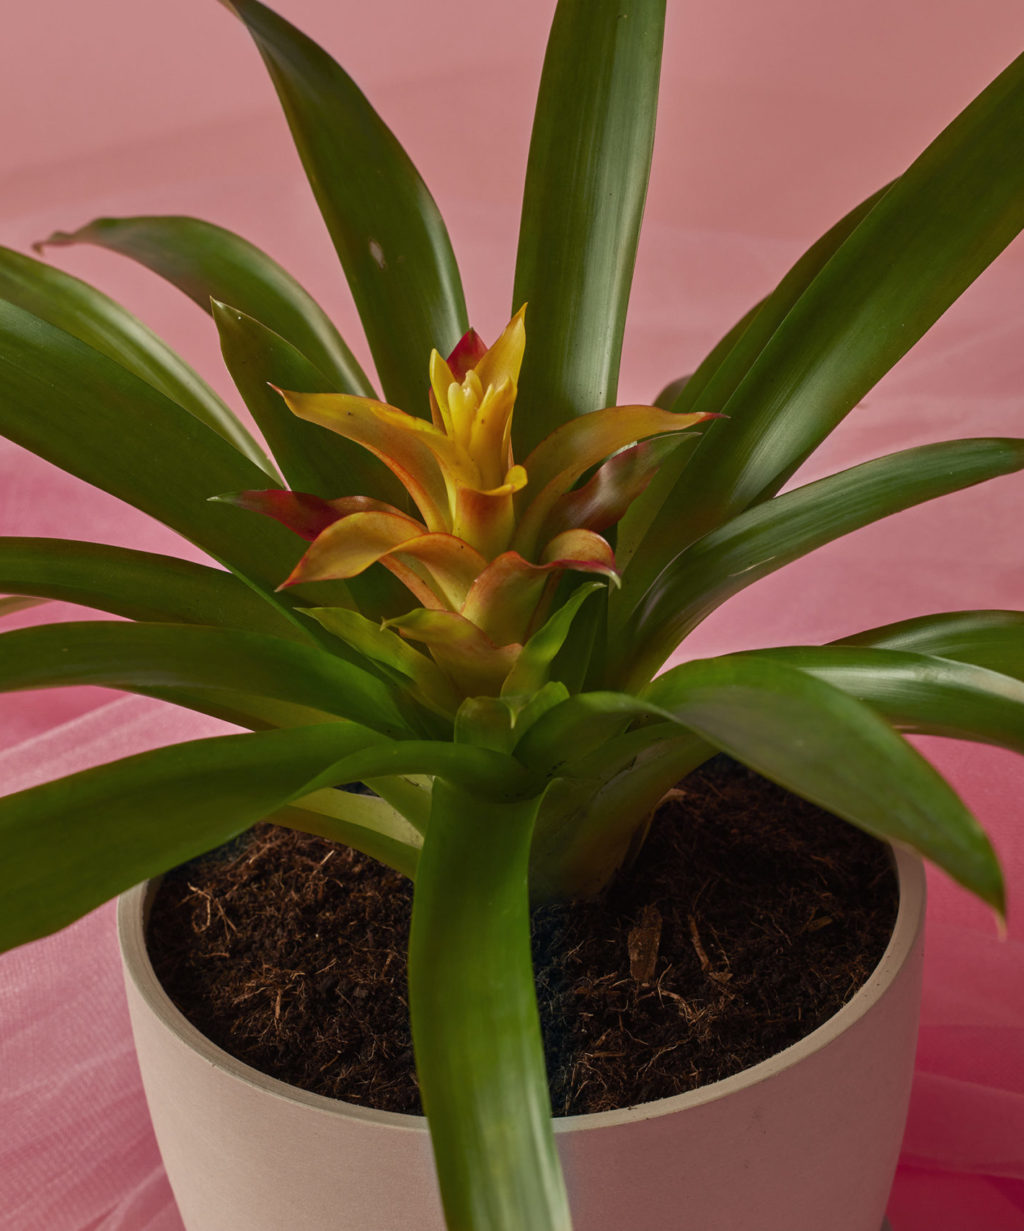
{"type": "Point", "coordinates": [499, 561]}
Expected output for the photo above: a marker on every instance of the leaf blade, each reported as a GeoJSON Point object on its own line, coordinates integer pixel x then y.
{"type": "Point", "coordinates": [100, 322]}
{"type": "Point", "coordinates": [476, 1030]}
{"type": "Point", "coordinates": [787, 726]}
{"type": "Point", "coordinates": [157, 656]}
{"type": "Point", "coordinates": [71, 844]}
{"type": "Point", "coordinates": [656, 516]}
{"type": "Point", "coordinates": [992, 639]}
{"type": "Point", "coordinates": [312, 458]}
{"type": "Point", "coordinates": [364, 822]}
{"type": "Point", "coordinates": [928, 237]}
{"type": "Point", "coordinates": [386, 229]}
{"type": "Point", "coordinates": [920, 693]}
{"type": "Point", "coordinates": [775, 532]}
{"type": "Point", "coordinates": [208, 262]}
{"type": "Point", "coordinates": [137, 585]}
{"type": "Point", "coordinates": [586, 182]}
{"type": "Point", "coordinates": [83, 412]}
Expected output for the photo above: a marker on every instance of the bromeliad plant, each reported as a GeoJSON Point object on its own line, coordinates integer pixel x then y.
{"type": "Point", "coordinates": [498, 561]}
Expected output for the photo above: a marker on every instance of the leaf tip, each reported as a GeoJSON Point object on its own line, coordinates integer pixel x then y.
{"type": "Point", "coordinates": [55, 239]}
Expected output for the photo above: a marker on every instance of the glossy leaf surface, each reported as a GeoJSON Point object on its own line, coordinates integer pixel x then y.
{"type": "Point", "coordinates": [311, 458]}
{"type": "Point", "coordinates": [586, 181]}
{"type": "Point", "coordinates": [773, 533]}
{"type": "Point", "coordinates": [95, 318]}
{"type": "Point", "coordinates": [208, 262]}
{"type": "Point", "coordinates": [71, 844]}
{"type": "Point", "coordinates": [921, 693]}
{"type": "Point", "coordinates": [138, 585]}
{"type": "Point", "coordinates": [476, 1030]}
{"type": "Point", "coordinates": [88, 415]}
{"type": "Point", "coordinates": [832, 749]}
{"type": "Point", "coordinates": [653, 526]}
{"type": "Point", "coordinates": [927, 238]}
{"type": "Point", "coordinates": [385, 226]}
{"type": "Point", "coordinates": [992, 639]}
{"type": "Point", "coordinates": [117, 654]}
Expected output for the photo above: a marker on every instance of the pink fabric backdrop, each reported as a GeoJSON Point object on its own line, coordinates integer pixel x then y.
{"type": "Point", "coordinates": [776, 118]}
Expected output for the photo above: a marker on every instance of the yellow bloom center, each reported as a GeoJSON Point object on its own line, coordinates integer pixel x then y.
{"type": "Point", "coordinates": [475, 416]}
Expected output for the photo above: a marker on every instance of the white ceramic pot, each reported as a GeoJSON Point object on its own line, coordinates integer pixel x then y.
{"type": "Point", "coordinates": [804, 1141]}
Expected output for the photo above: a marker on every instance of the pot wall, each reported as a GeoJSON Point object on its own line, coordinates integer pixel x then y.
{"type": "Point", "coordinates": [806, 1140]}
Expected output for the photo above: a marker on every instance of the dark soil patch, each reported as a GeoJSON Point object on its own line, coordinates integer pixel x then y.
{"type": "Point", "coordinates": [749, 919]}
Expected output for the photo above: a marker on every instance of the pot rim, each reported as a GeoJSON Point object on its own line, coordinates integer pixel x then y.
{"type": "Point", "coordinates": [133, 910]}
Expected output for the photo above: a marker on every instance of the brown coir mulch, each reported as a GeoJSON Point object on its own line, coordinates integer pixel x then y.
{"type": "Point", "coordinates": [748, 920]}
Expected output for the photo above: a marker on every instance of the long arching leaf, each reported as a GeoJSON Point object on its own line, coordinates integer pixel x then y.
{"type": "Point", "coordinates": [992, 639]}
{"type": "Point", "coordinates": [925, 241]}
{"type": "Point", "coordinates": [100, 322]}
{"type": "Point", "coordinates": [930, 235]}
{"type": "Point", "coordinates": [208, 262]}
{"type": "Point", "coordinates": [586, 181]}
{"type": "Point", "coordinates": [71, 844]}
{"type": "Point", "coordinates": [241, 709]}
{"type": "Point", "coordinates": [788, 726]}
{"type": "Point", "coordinates": [365, 822]}
{"type": "Point", "coordinates": [385, 226]}
{"type": "Point", "coordinates": [312, 458]}
{"type": "Point", "coordinates": [88, 415]}
{"type": "Point", "coordinates": [920, 693]}
{"type": "Point", "coordinates": [774, 532]}
{"type": "Point", "coordinates": [134, 657]}
{"type": "Point", "coordinates": [138, 585]}
{"type": "Point", "coordinates": [651, 528]}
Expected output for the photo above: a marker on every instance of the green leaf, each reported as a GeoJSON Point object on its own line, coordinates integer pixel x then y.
{"type": "Point", "coordinates": [207, 262]}
{"type": "Point", "coordinates": [586, 181]}
{"type": "Point", "coordinates": [139, 585]}
{"type": "Point", "coordinates": [920, 693]}
{"type": "Point", "coordinates": [582, 723]}
{"type": "Point", "coordinates": [94, 318]}
{"type": "Point", "coordinates": [595, 816]}
{"type": "Point", "coordinates": [422, 675]}
{"type": "Point", "coordinates": [312, 458]}
{"type": "Point", "coordinates": [653, 526]}
{"type": "Point", "coordinates": [476, 1030]}
{"type": "Point", "coordinates": [775, 532]}
{"type": "Point", "coordinates": [365, 822]}
{"type": "Point", "coordinates": [88, 415]}
{"type": "Point", "coordinates": [71, 844]}
{"type": "Point", "coordinates": [243, 709]}
{"type": "Point", "coordinates": [832, 749]}
{"type": "Point", "coordinates": [925, 241]}
{"type": "Point", "coordinates": [530, 672]}
{"type": "Point", "coordinates": [408, 794]}
{"type": "Point", "coordinates": [117, 654]}
{"type": "Point", "coordinates": [385, 226]}
{"type": "Point", "coordinates": [992, 639]}
{"type": "Point", "coordinates": [486, 722]}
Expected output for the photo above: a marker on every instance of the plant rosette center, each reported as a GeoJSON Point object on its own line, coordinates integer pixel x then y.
{"type": "Point", "coordinates": [489, 538]}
